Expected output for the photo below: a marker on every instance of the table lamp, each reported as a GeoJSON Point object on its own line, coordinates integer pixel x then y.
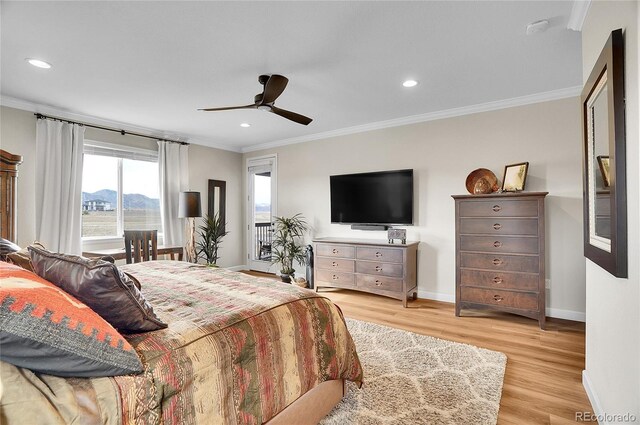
{"type": "Point", "coordinates": [190, 207]}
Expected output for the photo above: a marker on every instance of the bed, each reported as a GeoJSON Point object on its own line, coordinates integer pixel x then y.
{"type": "Point", "coordinates": [238, 349]}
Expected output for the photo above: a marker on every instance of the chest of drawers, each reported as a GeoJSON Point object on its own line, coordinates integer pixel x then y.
{"type": "Point", "coordinates": [500, 253]}
{"type": "Point", "coordinates": [369, 266]}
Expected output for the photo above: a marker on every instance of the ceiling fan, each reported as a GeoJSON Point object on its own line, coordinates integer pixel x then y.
{"type": "Point", "coordinates": [274, 85]}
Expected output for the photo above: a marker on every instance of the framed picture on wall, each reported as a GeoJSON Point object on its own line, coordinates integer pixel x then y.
{"type": "Point", "coordinates": [515, 177]}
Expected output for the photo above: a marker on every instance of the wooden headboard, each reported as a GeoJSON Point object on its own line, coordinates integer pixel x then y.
{"type": "Point", "coordinates": [8, 194]}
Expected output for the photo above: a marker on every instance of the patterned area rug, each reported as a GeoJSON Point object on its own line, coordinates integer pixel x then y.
{"type": "Point", "coordinates": [417, 379]}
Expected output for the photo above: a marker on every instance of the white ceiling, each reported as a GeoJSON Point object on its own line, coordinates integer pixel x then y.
{"type": "Point", "coordinates": [152, 64]}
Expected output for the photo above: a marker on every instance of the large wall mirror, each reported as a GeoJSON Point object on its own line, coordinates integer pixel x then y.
{"type": "Point", "coordinates": [604, 168]}
{"type": "Point", "coordinates": [217, 196]}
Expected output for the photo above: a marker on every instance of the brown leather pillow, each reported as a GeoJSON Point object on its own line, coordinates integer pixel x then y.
{"type": "Point", "coordinates": [22, 258]}
{"type": "Point", "coordinates": [7, 247]}
{"type": "Point", "coordinates": [100, 285]}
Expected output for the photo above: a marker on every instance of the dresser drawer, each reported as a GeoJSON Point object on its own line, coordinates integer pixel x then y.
{"type": "Point", "coordinates": [336, 278]}
{"type": "Point", "coordinates": [380, 269]}
{"type": "Point", "coordinates": [516, 245]}
{"type": "Point", "coordinates": [512, 263]}
{"type": "Point", "coordinates": [336, 264]}
{"type": "Point", "coordinates": [519, 281]}
{"type": "Point", "coordinates": [380, 254]}
{"type": "Point", "coordinates": [499, 208]}
{"type": "Point", "coordinates": [499, 226]}
{"type": "Point", "coordinates": [379, 283]}
{"type": "Point", "coordinates": [341, 251]}
{"type": "Point", "coordinates": [501, 298]}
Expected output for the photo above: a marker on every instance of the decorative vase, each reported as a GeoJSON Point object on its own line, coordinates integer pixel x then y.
{"type": "Point", "coordinates": [482, 186]}
{"type": "Point", "coordinates": [286, 278]}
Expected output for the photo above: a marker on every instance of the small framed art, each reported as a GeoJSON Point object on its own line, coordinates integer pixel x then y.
{"type": "Point", "coordinates": [515, 177]}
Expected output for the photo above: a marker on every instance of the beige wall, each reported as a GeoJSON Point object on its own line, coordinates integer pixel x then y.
{"type": "Point", "coordinates": [612, 376]}
{"type": "Point", "coordinates": [18, 133]}
{"type": "Point", "coordinates": [442, 153]}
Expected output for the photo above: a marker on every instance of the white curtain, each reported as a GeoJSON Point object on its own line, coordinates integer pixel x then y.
{"type": "Point", "coordinates": [59, 147]}
{"type": "Point", "coordinates": [173, 163]}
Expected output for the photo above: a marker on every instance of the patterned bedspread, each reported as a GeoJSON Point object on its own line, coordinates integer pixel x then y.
{"type": "Point", "coordinates": [238, 349]}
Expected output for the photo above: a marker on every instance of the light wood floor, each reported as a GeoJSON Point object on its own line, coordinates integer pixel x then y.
{"type": "Point", "coordinates": [543, 382]}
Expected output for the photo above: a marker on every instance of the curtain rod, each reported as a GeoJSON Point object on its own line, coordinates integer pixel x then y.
{"type": "Point", "coordinates": [99, 127]}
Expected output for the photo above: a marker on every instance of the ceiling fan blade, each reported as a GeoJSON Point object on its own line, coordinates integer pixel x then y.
{"type": "Point", "coordinates": [228, 108]}
{"type": "Point", "coordinates": [274, 87]}
{"type": "Point", "coordinates": [300, 119]}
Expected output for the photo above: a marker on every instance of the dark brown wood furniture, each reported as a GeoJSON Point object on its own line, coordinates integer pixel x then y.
{"type": "Point", "coordinates": [8, 194]}
{"type": "Point", "coordinates": [367, 265]}
{"type": "Point", "coordinates": [141, 245]}
{"type": "Point", "coordinates": [500, 253]}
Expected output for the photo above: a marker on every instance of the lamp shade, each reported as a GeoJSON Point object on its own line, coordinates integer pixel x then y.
{"type": "Point", "coordinates": [189, 205]}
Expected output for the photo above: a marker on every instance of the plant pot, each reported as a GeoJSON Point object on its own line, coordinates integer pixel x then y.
{"type": "Point", "coordinates": [286, 278]}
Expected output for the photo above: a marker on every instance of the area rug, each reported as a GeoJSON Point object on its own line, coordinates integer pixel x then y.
{"type": "Point", "coordinates": [418, 379]}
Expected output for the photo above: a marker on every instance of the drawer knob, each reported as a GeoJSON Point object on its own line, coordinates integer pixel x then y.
{"type": "Point", "coordinates": [497, 279]}
{"type": "Point", "coordinates": [497, 226]}
{"type": "Point", "coordinates": [334, 251]}
{"type": "Point", "coordinates": [497, 244]}
{"type": "Point", "coordinates": [378, 254]}
{"type": "Point", "coordinates": [497, 298]}
{"type": "Point", "coordinates": [378, 283]}
{"type": "Point", "coordinates": [378, 268]}
{"type": "Point", "coordinates": [334, 264]}
{"type": "Point", "coordinates": [497, 261]}
{"type": "Point", "coordinates": [334, 277]}
{"type": "Point", "coordinates": [496, 208]}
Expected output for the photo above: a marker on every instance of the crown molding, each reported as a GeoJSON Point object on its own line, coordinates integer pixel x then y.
{"type": "Point", "coordinates": [578, 14]}
{"type": "Point", "coordinates": [430, 116]}
{"type": "Point", "coordinates": [24, 105]}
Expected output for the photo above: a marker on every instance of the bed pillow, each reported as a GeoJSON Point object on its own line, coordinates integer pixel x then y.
{"type": "Point", "coordinates": [22, 257]}
{"type": "Point", "coordinates": [44, 329]}
{"type": "Point", "coordinates": [7, 247]}
{"type": "Point", "coordinates": [101, 286]}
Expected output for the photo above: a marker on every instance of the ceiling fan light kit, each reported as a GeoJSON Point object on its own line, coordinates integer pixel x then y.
{"type": "Point", "coordinates": [273, 86]}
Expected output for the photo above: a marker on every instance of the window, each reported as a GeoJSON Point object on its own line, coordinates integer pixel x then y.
{"type": "Point", "coordinates": [120, 190]}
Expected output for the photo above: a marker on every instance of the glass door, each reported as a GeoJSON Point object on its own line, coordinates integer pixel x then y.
{"type": "Point", "coordinates": [260, 212]}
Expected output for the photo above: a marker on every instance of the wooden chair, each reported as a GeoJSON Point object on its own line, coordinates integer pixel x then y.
{"type": "Point", "coordinates": [141, 245]}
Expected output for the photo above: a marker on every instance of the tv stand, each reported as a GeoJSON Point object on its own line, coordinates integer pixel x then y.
{"type": "Point", "coordinates": [369, 227]}
{"type": "Point", "coordinates": [373, 266]}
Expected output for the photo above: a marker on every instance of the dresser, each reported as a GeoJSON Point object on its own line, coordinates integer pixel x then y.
{"type": "Point", "coordinates": [365, 265]}
{"type": "Point", "coordinates": [8, 194]}
{"type": "Point", "coordinates": [500, 253]}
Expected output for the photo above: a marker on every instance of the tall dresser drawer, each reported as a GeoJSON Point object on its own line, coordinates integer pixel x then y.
{"type": "Point", "coordinates": [499, 208]}
{"type": "Point", "coordinates": [516, 245]}
{"type": "Point", "coordinates": [389, 255]}
{"type": "Point", "coordinates": [335, 264]}
{"type": "Point", "coordinates": [341, 251]}
{"type": "Point", "coordinates": [497, 297]}
{"type": "Point", "coordinates": [336, 278]}
{"type": "Point", "coordinates": [379, 269]}
{"type": "Point", "coordinates": [519, 281]}
{"type": "Point", "coordinates": [499, 226]}
{"type": "Point", "coordinates": [379, 282]}
{"type": "Point", "coordinates": [511, 263]}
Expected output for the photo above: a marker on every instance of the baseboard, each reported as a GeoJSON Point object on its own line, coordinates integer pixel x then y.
{"type": "Point", "coordinates": [437, 296]}
{"type": "Point", "coordinates": [576, 316]}
{"type": "Point", "coordinates": [557, 313]}
{"type": "Point", "coordinates": [237, 268]}
{"type": "Point", "coordinates": [592, 396]}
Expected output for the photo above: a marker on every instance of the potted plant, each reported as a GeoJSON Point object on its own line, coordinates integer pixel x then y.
{"type": "Point", "coordinates": [287, 246]}
{"type": "Point", "coordinates": [211, 234]}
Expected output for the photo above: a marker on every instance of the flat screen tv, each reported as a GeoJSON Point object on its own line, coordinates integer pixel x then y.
{"type": "Point", "coordinates": [384, 197]}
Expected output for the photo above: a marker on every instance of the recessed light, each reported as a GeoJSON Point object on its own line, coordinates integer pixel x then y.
{"type": "Point", "coordinates": [245, 125]}
{"type": "Point", "coordinates": [410, 83]}
{"type": "Point", "coordinates": [39, 63]}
